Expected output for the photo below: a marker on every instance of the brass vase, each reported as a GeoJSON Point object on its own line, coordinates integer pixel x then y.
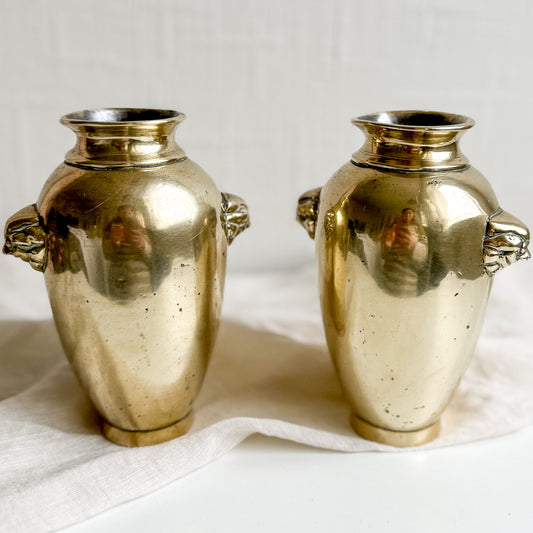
{"type": "Point", "coordinates": [408, 237]}
{"type": "Point", "coordinates": [131, 236]}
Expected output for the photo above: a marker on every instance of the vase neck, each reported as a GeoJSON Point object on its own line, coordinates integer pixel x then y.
{"type": "Point", "coordinates": [122, 138]}
{"type": "Point", "coordinates": [415, 141]}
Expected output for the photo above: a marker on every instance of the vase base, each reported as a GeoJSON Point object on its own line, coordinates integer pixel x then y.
{"type": "Point", "coordinates": [394, 438]}
{"type": "Point", "coordinates": [146, 438]}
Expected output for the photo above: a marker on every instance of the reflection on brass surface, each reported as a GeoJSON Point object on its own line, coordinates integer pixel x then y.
{"type": "Point", "coordinates": [408, 238]}
{"type": "Point", "coordinates": [132, 237]}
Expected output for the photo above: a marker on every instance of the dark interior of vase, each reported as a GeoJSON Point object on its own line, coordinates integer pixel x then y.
{"type": "Point", "coordinates": [417, 118]}
{"type": "Point", "coordinates": [121, 115]}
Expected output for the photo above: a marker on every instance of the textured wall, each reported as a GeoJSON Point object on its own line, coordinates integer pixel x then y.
{"type": "Point", "coordinates": [269, 87]}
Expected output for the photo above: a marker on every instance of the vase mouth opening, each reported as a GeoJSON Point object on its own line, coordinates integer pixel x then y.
{"type": "Point", "coordinates": [416, 120]}
{"type": "Point", "coordinates": [122, 116]}
{"type": "Point", "coordinates": [123, 137]}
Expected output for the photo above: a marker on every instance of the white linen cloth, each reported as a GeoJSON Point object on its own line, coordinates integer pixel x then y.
{"type": "Point", "coordinates": [270, 374]}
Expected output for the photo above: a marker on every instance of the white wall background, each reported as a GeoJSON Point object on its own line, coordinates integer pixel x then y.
{"type": "Point", "coordinates": [269, 88]}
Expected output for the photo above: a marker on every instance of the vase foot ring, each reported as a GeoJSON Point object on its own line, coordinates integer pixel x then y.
{"type": "Point", "coordinates": [146, 438]}
{"type": "Point", "coordinates": [394, 438]}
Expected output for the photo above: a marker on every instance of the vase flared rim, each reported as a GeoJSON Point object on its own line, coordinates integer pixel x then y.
{"type": "Point", "coordinates": [414, 120]}
{"type": "Point", "coordinates": [122, 116]}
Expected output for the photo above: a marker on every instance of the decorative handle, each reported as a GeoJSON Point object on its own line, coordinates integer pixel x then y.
{"type": "Point", "coordinates": [234, 215]}
{"type": "Point", "coordinates": [307, 211]}
{"type": "Point", "coordinates": [505, 242]}
{"type": "Point", "coordinates": [25, 237]}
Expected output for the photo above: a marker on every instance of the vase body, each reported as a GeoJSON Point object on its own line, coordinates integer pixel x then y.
{"type": "Point", "coordinates": [408, 238]}
{"type": "Point", "coordinates": [133, 253]}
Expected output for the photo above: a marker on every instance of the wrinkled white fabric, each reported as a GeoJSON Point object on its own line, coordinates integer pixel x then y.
{"type": "Point", "coordinates": [270, 374]}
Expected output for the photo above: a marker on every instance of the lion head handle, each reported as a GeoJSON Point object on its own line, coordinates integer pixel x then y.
{"type": "Point", "coordinates": [234, 215]}
{"type": "Point", "coordinates": [505, 242]}
{"type": "Point", "coordinates": [307, 210]}
{"type": "Point", "coordinates": [25, 237]}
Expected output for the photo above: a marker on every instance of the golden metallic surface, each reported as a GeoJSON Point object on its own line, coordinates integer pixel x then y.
{"type": "Point", "coordinates": [134, 439]}
{"type": "Point", "coordinates": [408, 236]}
{"type": "Point", "coordinates": [26, 238]}
{"type": "Point", "coordinates": [307, 212]}
{"type": "Point", "coordinates": [132, 238]}
{"type": "Point", "coordinates": [233, 216]}
{"type": "Point", "coordinates": [400, 439]}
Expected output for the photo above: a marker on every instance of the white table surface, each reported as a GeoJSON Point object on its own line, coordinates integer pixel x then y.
{"type": "Point", "coordinates": [267, 484]}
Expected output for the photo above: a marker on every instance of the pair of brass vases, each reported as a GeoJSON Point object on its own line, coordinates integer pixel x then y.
{"type": "Point", "coordinates": [131, 236]}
